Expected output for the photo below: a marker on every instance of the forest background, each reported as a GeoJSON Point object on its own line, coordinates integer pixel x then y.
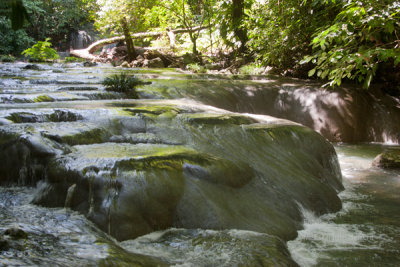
{"type": "Point", "coordinates": [333, 40]}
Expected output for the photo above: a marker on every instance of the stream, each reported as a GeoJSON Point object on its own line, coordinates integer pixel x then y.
{"type": "Point", "coordinates": [58, 121]}
{"type": "Point", "coordinates": [366, 232]}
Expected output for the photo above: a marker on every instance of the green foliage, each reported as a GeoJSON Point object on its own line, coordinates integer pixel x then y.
{"type": "Point", "coordinates": [362, 36]}
{"type": "Point", "coordinates": [12, 42]}
{"type": "Point", "coordinates": [7, 58]}
{"type": "Point", "coordinates": [122, 83]}
{"type": "Point", "coordinates": [43, 98]}
{"type": "Point", "coordinates": [47, 18]}
{"type": "Point", "coordinates": [231, 18]}
{"type": "Point", "coordinates": [41, 51]}
{"type": "Point", "coordinates": [280, 31]}
{"type": "Point", "coordinates": [58, 19]}
{"type": "Point", "coordinates": [73, 59]}
{"type": "Point", "coordinates": [110, 13]}
{"type": "Point", "coordinates": [18, 14]}
{"type": "Point", "coordinates": [196, 68]}
{"type": "Point", "coordinates": [251, 69]}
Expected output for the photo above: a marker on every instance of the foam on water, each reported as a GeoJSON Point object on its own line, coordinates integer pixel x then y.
{"type": "Point", "coordinates": [321, 235]}
{"type": "Point", "coordinates": [360, 230]}
{"type": "Point", "coordinates": [198, 247]}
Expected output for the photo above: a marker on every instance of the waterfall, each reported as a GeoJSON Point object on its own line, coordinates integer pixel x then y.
{"type": "Point", "coordinates": [81, 40]}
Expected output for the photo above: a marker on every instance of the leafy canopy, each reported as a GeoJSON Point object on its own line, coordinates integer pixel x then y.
{"type": "Point", "coordinates": [362, 36]}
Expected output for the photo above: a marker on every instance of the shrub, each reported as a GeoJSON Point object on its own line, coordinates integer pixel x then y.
{"type": "Point", "coordinates": [251, 69]}
{"type": "Point", "coordinates": [196, 68]}
{"type": "Point", "coordinates": [41, 51]}
{"type": "Point", "coordinates": [122, 83]}
{"type": "Point", "coordinates": [7, 58]}
{"type": "Point", "coordinates": [362, 37]}
{"type": "Point", "coordinates": [11, 41]}
{"type": "Point", "coordinates": [73, 59]}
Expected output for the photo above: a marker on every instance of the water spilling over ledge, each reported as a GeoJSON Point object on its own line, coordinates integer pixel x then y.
{"type": "Point", "coordinates": [134, 167]}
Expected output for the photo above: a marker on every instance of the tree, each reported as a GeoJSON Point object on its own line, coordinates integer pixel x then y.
{"type": "Point", "coordinates": [13, 39]}
{"type": "Point", "coordinates": [280, 31]}
{"type": "Point", "coordinates": [128, 39]}
{"type": "Point", "coordinates": [191, 14]}
{"type": "Point", "coordinates": [231, 19]}
{"type": "Point", "coordinates": [363, 36]}
{"type": "Point", "coordinates": [57, 19]}
{"type": "Point", "coordinates": [18, 13]}
{"type": "Point", "coordinates": [110, 13]}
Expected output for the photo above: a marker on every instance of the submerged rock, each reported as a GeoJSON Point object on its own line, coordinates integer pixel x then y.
{"type": "Point", "coordinates": [32, 67]}
{"type": "Point", "coordinates": [198, 247]}
{"type": "Point", "coordinates": [39, 236]}
{"type": "Point", "coordinates": [4, 244]}
{"type": "Point", "coordinates": [16, 233]}
{"type": "Point", "coordinates": [387, 160]}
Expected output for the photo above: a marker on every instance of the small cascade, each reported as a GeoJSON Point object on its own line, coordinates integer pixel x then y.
{"type": "Point", "coordinates": [180, 182]}
{"type": "Point", "coordinates": [366, 231]}
{"type": "Point", "coordinates": [70, 195]}
{"type": "Point", "coordinates": [81, 40]}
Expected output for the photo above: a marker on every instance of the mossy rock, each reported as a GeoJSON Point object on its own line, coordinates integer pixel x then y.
{"type": "Point", "coordinates": [153, 111]}
{"type": "Point", "coordinates": [4, 244]}
{"type": "Point", "coordinates": [76, 133]}
{"type": "Point", "coordinates": [56, 116]}
{"type": "Point", "coordinates": [24, 117]}
{"type": "Point", "coordinates": [387, 160]}
{"type": "Point", "coordinates": [217, 119]}
{"type": "Point", "coordinates": [63, 116]}
{"type": "Point", "coordinates": [123, 156]}
{"type": "Point", "coordinates": [16, 233]}
{"type": "Point", "coordinates": [43, 98]}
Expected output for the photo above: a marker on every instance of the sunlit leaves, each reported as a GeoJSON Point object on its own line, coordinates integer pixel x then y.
{"type": "Point", "coordinates": [41, 51]}
{"type": "Point", "coordinates": [363, 35]}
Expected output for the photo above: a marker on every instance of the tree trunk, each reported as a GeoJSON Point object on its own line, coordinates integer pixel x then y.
{"type": "Point", "coordinates": [172, 38]}
{"type": "Point", "coordinates": [128, 40]}
{"type": "Point", "coordinates": [193, 38]}
{"type": "Point", "coordinates": [237, 17]}
{"type": "Point", "coordinates": [87, 53]}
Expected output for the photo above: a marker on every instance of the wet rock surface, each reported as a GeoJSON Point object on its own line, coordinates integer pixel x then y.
{"type": "Point", "coordinates": [387, 160]}
{"type": "Point", "coordinates": [340, 115]}
{"type": "Point", "coordinates": [186, 166]}
{"type": "Point", "coordinates": [138, 166]}
{"type": "Point", "coordinates": [37, 236]}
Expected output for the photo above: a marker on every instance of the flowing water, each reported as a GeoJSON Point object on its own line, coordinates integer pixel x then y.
{"type": "Point", "coordinates": [68, 105]}
{"type": "Point", "coordinates": [366, 232]}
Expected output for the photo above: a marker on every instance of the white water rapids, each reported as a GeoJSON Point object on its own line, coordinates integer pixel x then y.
{"type": "Point", "coordinates": [366, 231]}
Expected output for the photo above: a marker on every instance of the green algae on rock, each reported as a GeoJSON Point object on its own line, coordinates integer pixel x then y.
{"type": "Point", "coordinates": [43, 98]}
{"type": "Point", "coordinates": [201, 168]}
{"type": "Point", "coordinates": [388, 160]}
{"type": "Point", "coordinates": [139, 166]}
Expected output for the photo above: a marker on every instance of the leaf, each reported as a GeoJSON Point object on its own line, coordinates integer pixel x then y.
{"type": "Point", "coordinates": [397, 60]}
{"type": "Point", "coordinates": [389, 27]}
{"type": "Point", "coordinates": [368, 80]}
{"type": "Point", "coordinates": [324, 73]}
{"type": "Point", "coordinates": [350, 27]}
{"type": "Point", "coordinates": [306, 59]}
{"type": "Point", "coordinates": [311, 72]}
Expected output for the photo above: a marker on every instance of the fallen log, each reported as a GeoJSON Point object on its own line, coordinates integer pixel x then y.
{"type": "Point", "coordinates": [87, 53]}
